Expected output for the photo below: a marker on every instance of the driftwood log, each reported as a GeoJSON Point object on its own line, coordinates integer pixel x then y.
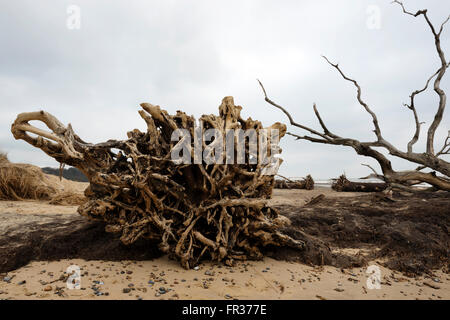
{"type": "Point", "coordinates": [342, 184]}
{"type": "Point", "coordinates": [306, 183]}
{"type": "Point", "coordinates": [193, 210]}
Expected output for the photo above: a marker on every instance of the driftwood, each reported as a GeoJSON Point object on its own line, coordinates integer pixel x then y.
{"type": "Point", "coordinates": [306, 183]}
{"type": "Point", "coordinates": [342, 184]}
{"type": "Point", "coordinates": [193, 210]}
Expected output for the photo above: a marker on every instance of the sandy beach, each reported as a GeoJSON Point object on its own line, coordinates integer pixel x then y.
{"type": "Point", "coordinates": [162, 278]}
{"type": "Point", "coordinates": [256, 280]}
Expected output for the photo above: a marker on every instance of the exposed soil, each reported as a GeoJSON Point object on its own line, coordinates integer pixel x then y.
{"type": "Point", "coordinates": [51, 237]}
{"type": "Point", "coordinates": [410, 233]}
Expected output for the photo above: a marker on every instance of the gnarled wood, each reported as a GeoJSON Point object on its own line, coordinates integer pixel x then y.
{"type": "Point", "coordinates": [342, 184]}
{"type": "Point", "coordinates": [306, 183]}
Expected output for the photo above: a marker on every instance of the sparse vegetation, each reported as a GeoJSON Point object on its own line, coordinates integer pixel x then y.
{"type": "Point", "coordinates": [3, 157]}
{"type": "Point", "coordinates": [22, 181]}
{"type": "Point", "coordinates": [68, 198]}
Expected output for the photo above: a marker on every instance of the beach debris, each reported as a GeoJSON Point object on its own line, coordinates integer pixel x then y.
{"type": "Point", "coordinates": [315, 200]}
{"type": "Point", "coordinates": [342, 184]}
{"type": "Point", "coordinates": [305, 183]}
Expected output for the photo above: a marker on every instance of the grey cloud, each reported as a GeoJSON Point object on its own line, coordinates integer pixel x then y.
{"type": "Point", "coordinates": [190, 54]}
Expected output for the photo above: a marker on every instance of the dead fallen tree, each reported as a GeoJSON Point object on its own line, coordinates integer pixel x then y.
{"type": "Point", "coordinates": [306, 183]}
{"type": "Point", "coordinates": [431, 159]}
{"type": "Point", "coordinates": [342, 184]}
{"type": "Point", "coordinates": [192, 210]}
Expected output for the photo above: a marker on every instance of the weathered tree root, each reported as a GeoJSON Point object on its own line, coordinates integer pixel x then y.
{"type": "Point", "coordinates": [193, 210]}
{"type": "Point", "coordinates": [342, 184]}
{"type": "Point", "coordinates": [306, 183]}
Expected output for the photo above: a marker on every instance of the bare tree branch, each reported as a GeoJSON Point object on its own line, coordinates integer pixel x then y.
{"type": "Point", "coordinates": [412, 107]}
{"type": "Point", "coordinates": [322, 124]}
{"type": "Point", "coordinates": [291, 120]}
{"type": "Point", "coordinates": [379, 176]}
{"type": "Point", "coordinates": [442, 97]}
{"type": "Point", "coordinates": [361, 102]}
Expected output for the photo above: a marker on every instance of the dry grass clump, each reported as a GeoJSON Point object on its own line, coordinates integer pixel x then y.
{"type": "Point", "coordinates": [68, 198]}
{"type": "Point", "coordinates": [22, 181]}
{"type": "Point", "coordinates": [3, 157]}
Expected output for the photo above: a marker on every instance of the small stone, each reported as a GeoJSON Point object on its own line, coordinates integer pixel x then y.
{"type": "Point", "coordinates": [431, 285]}
{"type": "Point", "coordinates": [227, 296]}
{"type": "Point", "coordinates": [196, 268]}
{"type": "Point", "coordinates": [7, 279]}
{"type": "Point", "coordinates": [48, 288]}
{"type": "Point", "coordinates": [126, 290]}
{"type": "Point", "coordinates": [21, 282]}
{"type": "Point", "coordinates": [338, 289]}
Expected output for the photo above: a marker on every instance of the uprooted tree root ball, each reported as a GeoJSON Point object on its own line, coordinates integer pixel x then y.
{"type": "Point", "coordinates": [193, 210]}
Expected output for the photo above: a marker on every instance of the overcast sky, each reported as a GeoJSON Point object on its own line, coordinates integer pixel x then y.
{"type": "Point", "coordinates": [188, 55]}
